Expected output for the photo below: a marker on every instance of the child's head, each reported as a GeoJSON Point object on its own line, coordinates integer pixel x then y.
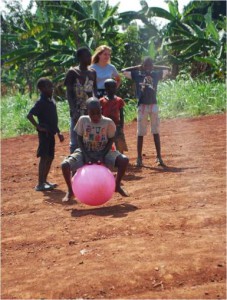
{"type": "Point", "coordinates": [83, 55]}
{"type": "Point", "coordinates": [45, 86]}
{"type": "Point", "coordinates": [110, 86]}
{"type": "Point", "coordinates": [94, 109]}
{"type": "Point", "coordinates": [147, 64]}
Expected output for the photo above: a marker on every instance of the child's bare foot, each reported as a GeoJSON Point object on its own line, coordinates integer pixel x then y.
{"type": "Point", "coordinates": [121, 191]}
{"type": "Point", "coordinates": [68, 197]}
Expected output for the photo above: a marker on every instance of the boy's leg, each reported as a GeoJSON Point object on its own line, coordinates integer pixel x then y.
{"type": "Point", "coordinates": [120, 141]}
{"type": "Point", "coordinates": [42, 186]}
{"type": "Point", "coordinates": [141, 131]}
{"type": "Point", "coordinates": [66, 171]}
{"type": "Point", "coordinates": [42, 169]}
{"type": "Point", "coordinates": [50, 158]}
{"type": "Point", "coordinates": [139, 146]}
{"type": "Point", "coordinates": [44, 151]}
{"type": "Point", "coordinates": [121, 163]}
{"type": "Point", "coordinates": [48, 166]}
{"type": "Point", "coordinates": [155, 122]}
{"type": "Point", "coordinates": [69, 166]}
{"type": "Point", "coordinates": [157, 144]}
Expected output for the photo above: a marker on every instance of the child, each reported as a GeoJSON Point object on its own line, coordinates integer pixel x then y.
{"type": "Point", "coordinates": [112, 107]}
{"type": "Point", "coordinates": [95, 138]}
{"type": "Point", "coordinates": [146, 80]}
{"type": "Point", "coordinates": [47, 126]}
{"type": "Point", "coordinates": [80, 84]}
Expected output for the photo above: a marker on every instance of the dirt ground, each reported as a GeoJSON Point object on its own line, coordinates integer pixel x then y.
{"type": "Point", "coordinates": [166, 241]}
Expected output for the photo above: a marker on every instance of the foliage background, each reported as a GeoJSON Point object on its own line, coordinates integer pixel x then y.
{"type": "Point", "coordinates": [193, 44]}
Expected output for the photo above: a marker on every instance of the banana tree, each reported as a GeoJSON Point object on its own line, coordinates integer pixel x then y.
{"type": "Point", "coordinates": [186, 42]}
{"type": "Point", "coordinates": [47, 42]}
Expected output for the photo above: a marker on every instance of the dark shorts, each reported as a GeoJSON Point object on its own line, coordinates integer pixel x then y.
{"type": "Point", "coordinates": [46, 145]}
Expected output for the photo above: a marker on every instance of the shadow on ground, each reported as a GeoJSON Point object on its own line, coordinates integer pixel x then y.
{"type": "Point", "coordinates": [115, 211]}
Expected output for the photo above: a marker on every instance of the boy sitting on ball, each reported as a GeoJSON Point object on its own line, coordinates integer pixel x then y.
{"type": "Point", "coordinates": [95, 138]}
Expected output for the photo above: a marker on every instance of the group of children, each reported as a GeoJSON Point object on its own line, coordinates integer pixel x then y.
{"type": "Point", "coordinates": [95, 123]}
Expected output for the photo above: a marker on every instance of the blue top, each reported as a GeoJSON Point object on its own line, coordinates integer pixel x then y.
{"type": "Point", "coordinates": [103, 73]}
{"type": "Point", "coordinates": [146, 85]}
{"type": "Point", "coordinates": [46, 112]}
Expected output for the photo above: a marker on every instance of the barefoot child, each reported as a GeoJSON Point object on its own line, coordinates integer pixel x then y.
{"type": "Point", "coordinates": [47, 126]}
{"type": "Point", "coordinates": [112, 107]}
{"type": "Point", "coordinates": [95, 138]}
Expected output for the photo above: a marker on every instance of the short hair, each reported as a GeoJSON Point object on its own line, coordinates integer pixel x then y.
{"type": "Point", "coordinates": [98, 51]}
{"type": "Point", "coordinates": [110, 81]}
{"type": "Point", "coordinates": [42, 82]}
{"type": "Point", "coordinates": [93, 102]}
{"type": "Point", "coordinates": [147, 58]}
{"type": "Point", "coordinates": [81, 51]}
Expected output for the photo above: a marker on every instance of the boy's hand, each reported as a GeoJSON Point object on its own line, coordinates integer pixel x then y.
{"type": "Point", "coordinates": [61, 137]}
{"type": "Point", "coordinates": [87, 159]}
{"type": "Point", "coordinates": [100, 160]}
{"type": "Point", "coordinates": [42, 129]}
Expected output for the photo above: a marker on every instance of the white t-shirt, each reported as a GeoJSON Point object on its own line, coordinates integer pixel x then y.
{"type": "Point", "coordinates": [103, 73]}
{"type": "Point", "coordinates": [95, 135]}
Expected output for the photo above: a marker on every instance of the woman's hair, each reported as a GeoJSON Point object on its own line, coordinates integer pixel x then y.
{"type": "Point", "coordinates": [98, 51]}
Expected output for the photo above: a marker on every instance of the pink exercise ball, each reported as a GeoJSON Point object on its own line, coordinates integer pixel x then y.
{"type": "Point", "coordinates": [93, 184]}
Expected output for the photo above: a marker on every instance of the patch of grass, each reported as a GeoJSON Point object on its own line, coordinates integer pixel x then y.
{"type": "Point", "coordinates": [191, 98]}
{"type": "Point", "coordinates": [14, 110]}
{"type": "Point", "coordinates": [180, 98]}
{"type": "Point", "coordinates": [130, 110]}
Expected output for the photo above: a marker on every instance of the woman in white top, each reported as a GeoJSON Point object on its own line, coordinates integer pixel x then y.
{"type": "Point", "coordinates": [104, 69]}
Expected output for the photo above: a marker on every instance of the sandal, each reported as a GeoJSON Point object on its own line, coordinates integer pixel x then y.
{"type": "Point", "coordinates": [43, 187]}
{"type": "Point", "coordinates": [53, 185]}
{"type": "Point", "coordinates": [160, 162]}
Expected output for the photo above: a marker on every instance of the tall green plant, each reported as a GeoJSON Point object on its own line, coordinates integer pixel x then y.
{"type": "Point", "coordinates": [187, 42]}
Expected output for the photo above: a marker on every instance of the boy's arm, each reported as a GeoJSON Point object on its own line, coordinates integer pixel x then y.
{"type": "Point", "coordinates": [157, 67]}
{"type": "Point", "coordinates": [95, 84]}
{"type": "Point", "coordinates": [87, 158]}
{"type": "Point", "coordinates": [121, 118]}
{"type": "Point", "coordinates": [70, 93]}
{"type": "Point", "coordinates": [127, 72]}
{"type": "Point", "coordinates": [35, 124]}
{"type": "Point", "coordinates": [131, 68]}
{"type": "Point", "coordinates": [107, 147]}
{"type": "Point", "coordinates": [71, 97]}
{"type": "Point", "coordinates": [60, 136]}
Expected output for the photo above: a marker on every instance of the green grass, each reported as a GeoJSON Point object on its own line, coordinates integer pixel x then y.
{"type": "Point", "coordinates": [182, 98]}
{"type": "Point", "coordinates": [191, 98]}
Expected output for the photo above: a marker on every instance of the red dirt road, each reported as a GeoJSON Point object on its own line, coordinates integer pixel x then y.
{"type": "Point", "coordinates": [166, 241]}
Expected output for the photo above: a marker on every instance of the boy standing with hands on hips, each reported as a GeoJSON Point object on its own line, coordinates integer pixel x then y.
{"type": "Point", "coordinates": [46, 112]}
{"type": "Point", "coordinates": [146, 79]}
